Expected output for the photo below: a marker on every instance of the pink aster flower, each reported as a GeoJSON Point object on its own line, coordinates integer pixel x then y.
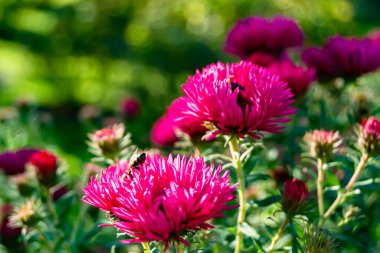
{"type": "Point", "coordinates": [369, 137]}
{"type": "Point", "coordinates": [298, 78]}
{"type": "Point", "coordinates": [343, 57]}
{"type": "Point", "coordinates": [256, 34]}
{"type": "Point", "coordinates": [163, 132]}
{"type": "Point", "coordinates": [238, 98]}
{"type": "Point", "coordinates": [161, 200]}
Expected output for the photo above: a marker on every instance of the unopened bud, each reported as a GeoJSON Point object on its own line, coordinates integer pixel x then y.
{"type": "Point", "coordinates": [322, 144]}
{"type": "Point", "coordinates": [369, 136]}
{"type": "Point", "coordinates": [294, 196]}
{"type": "Point", "coordinates": [46, 166]}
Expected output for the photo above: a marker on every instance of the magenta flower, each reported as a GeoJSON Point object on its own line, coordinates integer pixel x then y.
{"type": "Point", "coordinates": [256, 34]}
{"type": "Point", "coordinates": [343, 57]}
{"type": "Point", "coordinates": [161, 200]}
{"type": "Point", "coordinates": [236, 99]}
{"type": "Point", "coordinates": [163, 132]}
{"type": "Point", "coordinates": [298, 78]}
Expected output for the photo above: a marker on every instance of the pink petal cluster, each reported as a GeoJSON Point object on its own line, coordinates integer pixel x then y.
{"type": "Point", "coordinates": [343, 57]}
{"type": "Point", "coordinates": [162, 200]}
{"type": "Point", "coordinates": [256, 34]}
{"type": "Point", "coordinates": [371, 126]}
{"type": "Point", "coordinates": [235, 99]}
{"type": "Point", "coordinates": [299, 79]}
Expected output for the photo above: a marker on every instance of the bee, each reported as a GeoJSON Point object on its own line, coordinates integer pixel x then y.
{"type": "Point", "coordinates": [135, 161]}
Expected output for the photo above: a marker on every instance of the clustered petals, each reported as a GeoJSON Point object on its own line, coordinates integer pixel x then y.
{"type": "Point", "coordinates": [343, 57]}
{"type": "Point", "coordinates": [235, 99]}
{"type": "Point", "coordinates": [162, 200]}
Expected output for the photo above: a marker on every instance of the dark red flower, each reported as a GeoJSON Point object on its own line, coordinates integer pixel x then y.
{"type": "Point", "coordinates": [13, 162]}
{"type": "Point", "coordinates": [294, 196]}
{"type": "Point", "coordinates": [46, 166]}
{"type": "Point", "coordinates": [8, 233]}
{"type": "Point", "coordinates": [295, 190]}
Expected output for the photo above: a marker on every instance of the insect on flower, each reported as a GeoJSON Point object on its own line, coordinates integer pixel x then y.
{"type": "Point", "coordinates": [135, 161]}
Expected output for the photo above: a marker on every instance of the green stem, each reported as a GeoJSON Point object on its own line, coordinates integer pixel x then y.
{"type": "Point", "coordinates": [278, 235]}
{"type": "Point", "coordinates": [51, 207]}
{"type": "Point", "coordinates": [348, 188]}
{"type": "Point", "coordinates": [146, 247]}
{"type": "Point", "coordinates": [320, 187]}
{"type": "Point", "coordinates": [49, 244]}
{"type": "Point", "coordinates": [234, 149]}
{"type": "Point", "coordinates": [178, 247]}
{"type": "Point", "coordinates": [82, 211]}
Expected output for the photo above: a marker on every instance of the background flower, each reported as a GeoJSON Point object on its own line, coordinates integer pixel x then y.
{"type": "Point", "coordinates": [256, 34]}
{"type": "Point", "coordinates": [343, 57]}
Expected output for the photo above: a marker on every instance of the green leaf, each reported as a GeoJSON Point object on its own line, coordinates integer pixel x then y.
{"type": "Point", "coordinates": [249, 230]}
{"type": "Point", "coordinates": [268, 201]}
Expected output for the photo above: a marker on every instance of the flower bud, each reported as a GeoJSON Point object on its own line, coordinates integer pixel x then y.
{"type": "Point", "coordinates": [109, 142]}
{"type": "Point", "coordinates": [322, 144]}
{"type": "Point", "coordinates": [294, 196]}
{"type": "Point", "coordinates": [369, 136]}
{"type": "Point", "coordinates": [46, 166]}
{"type": "Point", "coordinates": [317, 240]}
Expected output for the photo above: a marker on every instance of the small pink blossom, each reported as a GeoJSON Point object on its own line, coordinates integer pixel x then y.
{"type": "Point", "coordinates": [162, 199]}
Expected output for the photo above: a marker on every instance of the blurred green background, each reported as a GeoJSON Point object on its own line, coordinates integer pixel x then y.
{"type": "Point", "coordinates": [57, 56]}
